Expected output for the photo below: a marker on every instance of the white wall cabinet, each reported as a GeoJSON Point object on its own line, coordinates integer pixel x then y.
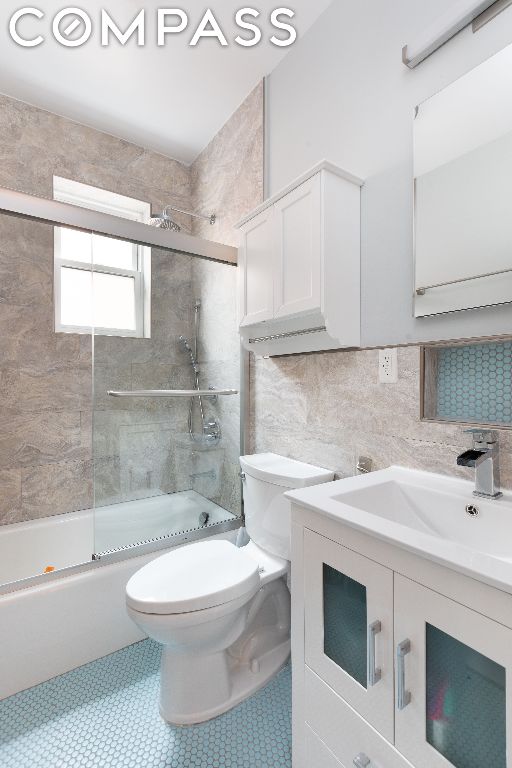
{"type": "Point", "coordinates": [256, 271]}
{"type": "Point", "coordinates": [300, 266]}
{"type": "Point", "coordinates": [388, 669]}
{"type": "Point", "coordinates": [297, 240]}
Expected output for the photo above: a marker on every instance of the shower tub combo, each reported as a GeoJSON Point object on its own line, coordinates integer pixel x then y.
{"type": "Point", "coordinates": [52, 621]}
{"type": "Point", "coordinates": [56, 615]}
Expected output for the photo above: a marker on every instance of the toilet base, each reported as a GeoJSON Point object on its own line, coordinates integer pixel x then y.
{"type": "Point", "coordinates": [212, 685]}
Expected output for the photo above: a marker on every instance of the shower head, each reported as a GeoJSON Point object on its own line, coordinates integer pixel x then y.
{"type": "Point", "coordinates": [164, 221]}
{"type": "Point", "coordinates": [185, 347]}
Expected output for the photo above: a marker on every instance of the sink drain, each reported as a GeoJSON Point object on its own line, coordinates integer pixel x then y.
{"type": "Point", "coordinates": [472, 511]}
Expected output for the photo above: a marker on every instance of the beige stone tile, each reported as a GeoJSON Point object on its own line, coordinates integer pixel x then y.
{"type": "Point", "coordinates": [169, 269]}
{"type": "Point", "coordinates": [216, 285]}
{"type": "Point", "coordinates": [108, 426]}
{"type": "Point", "coordinates": [25, 168]}
{"type": "Point", "coordinates": [111, 377]}
{"type": "Point", "coordinates": [227, 177]}
{"type": "Point", "coordinates": [337, 456]}
{"type": "Point", "coordinates": [107, 481]}
{"type": "Point", "coordinates": [114, 350]}
{"type": "Point", "coordinates": [61, 386]}
{"type": "Point", "coordinates": [9, 386]}
{"type": "Point", "coordinates": [52, 489]}
{"type": "Point", "coordinates": [10, 498]}
{"type": "Point", "coordinates": [39, 438]}
{"type": "Point", "coordinates": [416, 454]}
{"type": "Point", "coordinates": [156, 375]}
{"type": "Point", "coordinates": [170, 174]}
{"type": "Point", "coordinates": [85, 344]}
{"type": "Point", "coordinates": [27, 336]}
{"type": "Point", "coordinates": [278, 391]}
{"type": "Point", "coordinates": [349, 413]}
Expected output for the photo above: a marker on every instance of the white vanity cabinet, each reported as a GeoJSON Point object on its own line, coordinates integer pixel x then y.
{"type": "Point", "coordinates": [351, 598]}
{"type": "Point", "coordinates": [389, 672]}
{"type": "Point", "coordinates": [454, 678]}
{"type": "Point", "coordinates": [299, 266]}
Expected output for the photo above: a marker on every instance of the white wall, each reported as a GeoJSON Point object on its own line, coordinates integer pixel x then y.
{"type": "Point", "coordinates": [342, 93]}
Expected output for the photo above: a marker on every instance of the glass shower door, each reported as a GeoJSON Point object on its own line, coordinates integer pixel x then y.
{"type": "Point", "coordinates": [165, 462]}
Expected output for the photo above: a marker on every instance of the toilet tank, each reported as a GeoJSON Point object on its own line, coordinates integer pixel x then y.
{"type": "Point", "coordinates": [267, 512]}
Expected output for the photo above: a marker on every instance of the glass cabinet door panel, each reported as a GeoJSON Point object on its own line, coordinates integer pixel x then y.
{"type": "Point", "coordinates": [465, 703]}
{"type": "Point", "coordinates": [345, 623]}
{"type": "Point", "coordinates": [451, 699]}
{"type": "Point", "coordinates": [348, 632]}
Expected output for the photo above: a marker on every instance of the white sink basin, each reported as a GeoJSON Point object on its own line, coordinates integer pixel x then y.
{"type": "Point", "coordinates": [426, 514]}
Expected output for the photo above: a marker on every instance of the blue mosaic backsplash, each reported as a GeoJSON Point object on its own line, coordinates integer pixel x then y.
{"type": "Point", "coordinates": [474, 383]}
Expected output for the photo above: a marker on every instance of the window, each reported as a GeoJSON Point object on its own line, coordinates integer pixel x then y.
{"type": "Point", "coordinates": [101, 283]}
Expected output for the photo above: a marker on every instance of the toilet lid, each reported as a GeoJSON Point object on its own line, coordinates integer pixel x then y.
{"type": "Point", "coordinates": [192, 578]}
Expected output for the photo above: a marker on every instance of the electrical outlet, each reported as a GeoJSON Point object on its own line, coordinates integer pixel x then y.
{"type": "Point", "coordinates": [388, 366]}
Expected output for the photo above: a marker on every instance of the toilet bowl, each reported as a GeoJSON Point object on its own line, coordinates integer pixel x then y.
{"type": "Point", "coordinates": [222, 613]}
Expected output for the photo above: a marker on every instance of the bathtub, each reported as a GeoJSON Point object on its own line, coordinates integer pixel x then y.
{"type": "Point", "coordinates": [50, 624]}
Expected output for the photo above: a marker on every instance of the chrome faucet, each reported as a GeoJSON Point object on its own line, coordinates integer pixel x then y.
{"type": "Point", "coordinates": [484, 456]}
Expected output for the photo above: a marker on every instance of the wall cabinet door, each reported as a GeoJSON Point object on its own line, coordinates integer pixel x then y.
{"type": "Point", "coordinates": [453, 666]}
{"type": "Point", "coordinates": [298, 233]}
{"type": "Point", "coordinates": [257, 270]}
{"type": "Point", "coordinates": [349, 627]}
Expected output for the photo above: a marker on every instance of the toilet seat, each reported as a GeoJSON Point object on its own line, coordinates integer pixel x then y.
{"type": "Point", "coordinates": [193, 578]}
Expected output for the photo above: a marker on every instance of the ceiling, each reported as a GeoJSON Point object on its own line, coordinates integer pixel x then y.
{"type": "Point", "coordinates": [172, 99]}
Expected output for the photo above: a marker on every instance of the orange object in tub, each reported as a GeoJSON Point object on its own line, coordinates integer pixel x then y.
{"type": "Point", "coordinates": [49, 569]}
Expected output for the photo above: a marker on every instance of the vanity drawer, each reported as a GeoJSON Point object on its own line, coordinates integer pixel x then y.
{"type": "Point", "coordinates": [343, 731]}
{"type": "Point", "coordinates": [317, 754]}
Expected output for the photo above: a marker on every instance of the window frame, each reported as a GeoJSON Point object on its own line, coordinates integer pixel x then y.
{"type": "Point", "coordinates": [93, 198]}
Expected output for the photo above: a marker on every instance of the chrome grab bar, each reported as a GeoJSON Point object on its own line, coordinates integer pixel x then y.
{"type": "Point", "coordinates": [374, 673]}
{"type": "Point", "coordinates": [288, 335]}
{"type": "Point", "coordinates": [424, 288]}
{"type": "Point", "coordinates": [173, 393]}
{"type": "Point", "coordinates": [403, 697]}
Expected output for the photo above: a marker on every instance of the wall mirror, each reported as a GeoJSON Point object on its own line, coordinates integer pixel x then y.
{"type": "Point", "coordinates": [463, 186]}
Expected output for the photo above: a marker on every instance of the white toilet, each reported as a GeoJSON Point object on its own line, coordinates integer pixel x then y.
{"type": "Point", "coordinates": [221, 612]}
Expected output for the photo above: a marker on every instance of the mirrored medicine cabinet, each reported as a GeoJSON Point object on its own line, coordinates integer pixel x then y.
{"type": "Point", "coordinates": [462, 190]}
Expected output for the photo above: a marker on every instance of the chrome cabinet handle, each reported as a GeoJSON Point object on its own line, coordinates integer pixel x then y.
{"type": "Point", "coordinates": [374, 673]}
{"type": "Point", "coordinates": [362, 761]}
{"type": "Point", "coordinates": [403, 697]}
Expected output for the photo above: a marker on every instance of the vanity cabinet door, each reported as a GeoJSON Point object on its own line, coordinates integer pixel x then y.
{"type": "Point", "coordinates": [452, 668]}
{"type": "Point", "coordinates": [256, 270]}
{"type": "Point", "coordinates": [349, 627]}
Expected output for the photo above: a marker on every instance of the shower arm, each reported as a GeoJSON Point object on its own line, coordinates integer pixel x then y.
{"type": "Point", "coordinates": [212, 218]}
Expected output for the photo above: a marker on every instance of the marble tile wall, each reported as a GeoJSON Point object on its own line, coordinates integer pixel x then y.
{"type": "Point", "coordinates": [46, 413]}
{"type": "Point", "coordinates": [135, 441]}
{"type": "Point", "coordinates": [227, 179]}
{"type": "Point", "coordinates": [48, 463]}
{"type": "Point", "coordinates": [329, 408]}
